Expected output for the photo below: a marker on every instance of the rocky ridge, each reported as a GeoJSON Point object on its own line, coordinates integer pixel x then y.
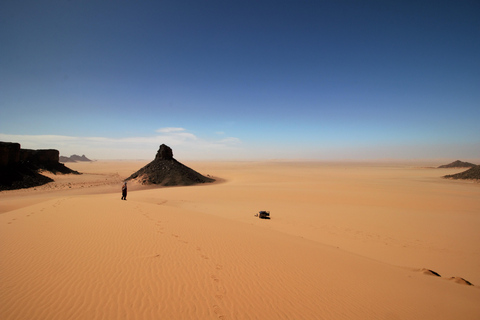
{"type": "Point", "coordinates": [20, 168]}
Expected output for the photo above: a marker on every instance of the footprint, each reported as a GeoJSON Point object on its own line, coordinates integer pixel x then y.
{"type": "Point", "coordinates": [221, 290]}
{"type": "Point", "coordinates": [218, 312]}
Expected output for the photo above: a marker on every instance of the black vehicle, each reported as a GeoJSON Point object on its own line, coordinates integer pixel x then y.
{"type": "Point", "coordinates": [264, 214]}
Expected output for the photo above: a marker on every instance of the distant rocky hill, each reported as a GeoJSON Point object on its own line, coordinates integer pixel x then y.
{"type": "Point", "coordinates": [164, 170]}
{"type": "Point", "coordinates": [19, 168]}
{"type": "Point", "coordinates": [458, 164]}
{"type": "Point", "coordinates": [471, 174]}
{"type": "Point", "coordinates": [73, 158]}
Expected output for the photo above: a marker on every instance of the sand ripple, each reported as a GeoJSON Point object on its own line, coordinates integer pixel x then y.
{"type": "Point", "coordinates": [160, 256]}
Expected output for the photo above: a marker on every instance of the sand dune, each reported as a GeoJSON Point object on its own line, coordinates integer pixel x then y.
{"type": "Point", "coordinates": [344, 242]}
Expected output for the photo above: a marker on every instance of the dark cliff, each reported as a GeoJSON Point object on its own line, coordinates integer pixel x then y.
{"type": "Point", "coordinates": [9, 153]}
{"type": "Point", "coordinates": [19, 168]}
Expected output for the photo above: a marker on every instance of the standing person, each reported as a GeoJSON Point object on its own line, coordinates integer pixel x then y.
{"type": "Point", "coordinates": [124, 191]}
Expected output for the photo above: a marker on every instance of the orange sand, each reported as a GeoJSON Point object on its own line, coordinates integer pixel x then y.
{"type": "Point", "coordinates": [345, 241]}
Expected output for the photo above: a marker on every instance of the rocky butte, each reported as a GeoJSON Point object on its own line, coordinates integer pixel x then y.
{"type": "Point", "coordinates": [458, 164]}
{"type": "Point", "coordinates": [19, 168]}
{"type": "Point", "coordinates": [471, 174]}
{"type": "Point", "coordinates": [164, 170]}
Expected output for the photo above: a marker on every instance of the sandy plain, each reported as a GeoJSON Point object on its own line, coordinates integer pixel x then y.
{"type": "Point", "coordinates": [345, 241]}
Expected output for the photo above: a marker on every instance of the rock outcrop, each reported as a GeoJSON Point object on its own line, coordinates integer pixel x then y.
{"type": "Point", "coordinates": [164, 153]}
{"type": "Point", "coordinates": [471, 174]}
{"type": "Point", "coordinates": [164, 170]}
{"type": "Point", "coordinates": [458, 164]}
{"type": "Point", "coordinates": [47, 156]}
{"type": "Point", "coordinates": [47, 159]}
{"type": "Point", "coordinates": [9, 153]}
{"type": "Point", "coordinates": [19, 168]}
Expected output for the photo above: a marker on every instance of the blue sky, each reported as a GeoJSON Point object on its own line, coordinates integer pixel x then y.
{"type": "Point", "coordinates": [242, 79]}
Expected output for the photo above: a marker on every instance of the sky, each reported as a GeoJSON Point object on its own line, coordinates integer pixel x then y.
{"type": "Point", "coordinates": [242, 80]}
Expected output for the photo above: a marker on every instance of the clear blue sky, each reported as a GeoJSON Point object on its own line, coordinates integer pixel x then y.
{"type": "Point", "coordinates": [242, 79]}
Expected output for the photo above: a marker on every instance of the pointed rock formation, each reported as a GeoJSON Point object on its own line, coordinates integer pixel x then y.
{"type": "Point", "coordinates": [164, 170]}
{"type": "Point", "coordinates": [458, 164]}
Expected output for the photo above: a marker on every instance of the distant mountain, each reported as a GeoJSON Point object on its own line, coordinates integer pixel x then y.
{"type": "Point", "coordinates": [471, 174]}
{"type": "Point", "coordinates": [79, 158]}
{"type": "Point", "coordinates": [458, 164]}
{"type": "Point", "coordinates": [65, 159]}
{"type": "Point", "coordinates": [74, 158]}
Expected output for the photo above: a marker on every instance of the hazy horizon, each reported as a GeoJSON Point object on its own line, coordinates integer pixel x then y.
{"type": "Point", "coordinates": [243, 80]}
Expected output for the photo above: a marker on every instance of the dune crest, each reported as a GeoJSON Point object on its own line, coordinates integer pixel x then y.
{"type": "Point", "coordinates": [461, 281]}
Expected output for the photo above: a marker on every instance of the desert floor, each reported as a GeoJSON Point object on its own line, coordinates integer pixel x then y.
{"type": "Point", "coordinates": [345, 241]}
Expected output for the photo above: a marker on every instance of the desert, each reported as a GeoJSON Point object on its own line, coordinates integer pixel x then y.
{"type": "Point", "coordinates": [364, 240]}
{"type": "Point", "coordinates": [316, 160]}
